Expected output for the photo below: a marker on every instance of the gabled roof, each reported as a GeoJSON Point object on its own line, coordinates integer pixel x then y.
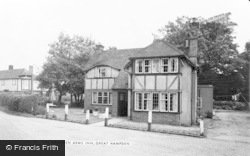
{"type": "Point", "coordinates": [114, 58]}
{"type": "Point", "coordinates": [14, 73]}
{"type": "Point", "coordinates": [159, 48]}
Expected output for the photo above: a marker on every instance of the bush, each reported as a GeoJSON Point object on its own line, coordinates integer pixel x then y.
{"type": "Point", "coordinates": [21, 103]}
{"type": "Point", "coordinates": [229, 105]}
{"type": "Point", "coordinates": [209, 114]}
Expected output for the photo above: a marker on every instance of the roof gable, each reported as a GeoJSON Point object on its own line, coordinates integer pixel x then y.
{"type": "Point", "coordinates": [159, 48]}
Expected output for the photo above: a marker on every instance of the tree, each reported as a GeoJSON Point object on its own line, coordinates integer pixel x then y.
{"type": "Point", "coordinates": [64, 66]}
{"type": "Point", "coordinates": [216, 47]}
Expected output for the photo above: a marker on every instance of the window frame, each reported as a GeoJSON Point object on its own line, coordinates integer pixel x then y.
{"type": "Point", "coordinates": [172, 65]}
{"type": "Point", "coordinates": [161, 101]}
{"type": "Point", "coordinates": [101, 95]}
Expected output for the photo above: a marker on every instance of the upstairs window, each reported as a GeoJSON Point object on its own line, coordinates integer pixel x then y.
{"type": "Point", "coordinates": [157, 65]}
{"type": "Point", "coordinates": [102, 72]}
{"type": "Point", "coordinates": [147, 66]}
{"type": "Point", "coordinates": [139, 66]}
{"type": "Point", "coordinates": [164, 65]}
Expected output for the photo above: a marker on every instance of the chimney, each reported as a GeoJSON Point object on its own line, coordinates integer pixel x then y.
{"type": "Point", "coordinates": [31, 69]}
{"type": "Point", "coordinates": [193, 40]}
{"type": "Point", "coordinates": [11, 67]}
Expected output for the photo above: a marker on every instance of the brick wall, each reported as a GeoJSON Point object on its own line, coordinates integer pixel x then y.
{"type": "Point", "coordinates": [158, 117]}
{"type": "Point", "coordinates": [114, 103]}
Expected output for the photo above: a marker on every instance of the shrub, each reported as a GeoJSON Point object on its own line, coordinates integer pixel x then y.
{"type": "Point", "coordinates": [229, 105]}
{"type": "Point", "coordinates": [21, 102]}
{"type": "Point", "coordinates": [39, 110]}
{"type": "Point", "coordinates": [54, 116]}
{"type": "Point", "coordinates": [209, 114]}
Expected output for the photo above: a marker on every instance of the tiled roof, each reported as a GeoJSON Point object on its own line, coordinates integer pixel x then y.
{"type": "Point", "coordinates": [121, 82]}
{"type": "Point", "coordinates": [14, 73]}
{"type": "Point", "coordinates": [159, 48]}
{"type": "Point", "coordinates": [114, 58]}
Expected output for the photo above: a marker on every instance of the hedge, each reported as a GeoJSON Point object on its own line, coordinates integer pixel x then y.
{"type": "Point", "coordinates": [229, 105]}
{"type": "Point", "coordinates": [23, 103]}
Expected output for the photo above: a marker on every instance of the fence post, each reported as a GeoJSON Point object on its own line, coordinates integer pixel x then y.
{"type": "Point", "coordinates": [66, 111]}
{"type": "Point", "coordinates": [106, 116]}
{"type": "Point", "coordinates": [202, 127]}
{"type": "Point", "coordinates": [47, 111]}
{"type": "Point", "coordinates": [87, 117]}
{"type": "Point", "coordinates": [149, 120]}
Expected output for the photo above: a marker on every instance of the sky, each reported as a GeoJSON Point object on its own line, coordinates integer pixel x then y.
{"type": "Point", "coordinates": [29, 26]}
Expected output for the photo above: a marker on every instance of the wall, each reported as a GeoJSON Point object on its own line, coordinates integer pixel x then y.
{"type": "Point", "coordinates": [185, 84]}
{"type": "Point", "coordinates": [157, 117]}
{"type": "Point", "coordinates": [206, 93]}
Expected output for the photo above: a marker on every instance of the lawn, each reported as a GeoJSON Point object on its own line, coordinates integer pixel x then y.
{"type": "Point", "coordinates": [74, 115]}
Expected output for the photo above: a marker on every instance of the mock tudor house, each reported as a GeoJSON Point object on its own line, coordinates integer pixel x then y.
{"type": "Point", "coordinates": [18, 80]}
{"type": "Point", "coordinates": [131, 82]}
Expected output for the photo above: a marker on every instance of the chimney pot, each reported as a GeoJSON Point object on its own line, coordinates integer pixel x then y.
{"type": "Point", "coordinates": [31, 69]}
{"type": "Point", "coordinates": [11, 67]}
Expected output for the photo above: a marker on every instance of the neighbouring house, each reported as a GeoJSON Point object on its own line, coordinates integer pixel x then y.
{"type": "Point", "coordinates": [205, 99]}
{"type": "Point", "coordinates": [18, 80]}
{"type": "Point", "coordinates": [131, 82]}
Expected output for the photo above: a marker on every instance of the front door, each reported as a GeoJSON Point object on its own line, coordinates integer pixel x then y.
{"type": "Point", "coordinates": [122, 104]}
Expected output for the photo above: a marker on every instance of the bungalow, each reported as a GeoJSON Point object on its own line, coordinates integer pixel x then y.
{"type": "Point", "coordinates": [17, 80]}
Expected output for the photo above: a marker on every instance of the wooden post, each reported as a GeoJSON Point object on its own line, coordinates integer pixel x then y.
{"type": "Point", "coordinates": [66, 112]}
{"type": "Point", "coordinates": [47, 111]}
{"type": "Point", "coordinates": [87, 117]}
{"type": "Point", "coordinates": [202, 127]}
{"type": "Point", "coordinates": [149, 120]}
{"type": "Point", "coordinates": [106, 116]}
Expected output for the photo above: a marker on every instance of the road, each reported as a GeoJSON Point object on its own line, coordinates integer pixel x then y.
{"type": "Point", "coordinates": [137, 143]}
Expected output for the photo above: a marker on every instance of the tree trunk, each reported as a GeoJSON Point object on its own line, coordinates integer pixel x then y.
{"type": "Point", "coordinates": [71, 99]}
{"type": "Point", "coordinates": [59, 99]}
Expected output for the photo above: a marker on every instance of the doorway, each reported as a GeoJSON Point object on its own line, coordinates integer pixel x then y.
{"type": "Point", "coordinates": [122, 104]}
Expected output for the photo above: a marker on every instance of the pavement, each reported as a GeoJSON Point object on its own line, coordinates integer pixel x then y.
{"type": "Point", "coordinates": [95, 139]}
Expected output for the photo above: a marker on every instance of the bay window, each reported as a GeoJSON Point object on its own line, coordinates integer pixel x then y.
{"type": "Point", "coordinates": [104, 98]}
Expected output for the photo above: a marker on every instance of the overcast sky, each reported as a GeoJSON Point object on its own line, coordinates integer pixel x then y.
{"type": "Point", "coordinates": [28, 26]}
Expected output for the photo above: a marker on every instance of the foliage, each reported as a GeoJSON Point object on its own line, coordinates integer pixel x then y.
{"type": "Point", "coordinates": [229, 105]}
{"type": "Point", "coordinates": [21, 103]}
{"type": "Point", "coordinates": [216, 47]}
{"type": "Point", "coordinates": [209, 114]}
{"type": "Point", "coordinates": [64, 66]}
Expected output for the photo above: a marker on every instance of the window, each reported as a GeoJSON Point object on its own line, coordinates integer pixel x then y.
{"type": "Point", "coordinates": [139, 101]}
{"type": "Point", "coordinates": [14, 82]}
{"type": "Point", "coordinates": [174, 65]}
{"type": "Point", "coordinates": [155, 101]}
{"type": "Point", "coordinates": [139, 66]}
{"type": "Point", "coordinates": [173, 102]}
{"type": "Point", "coordinates": [163, 102]}
{"type": "Point", "coordinates": [156, 66]}
{"type": "Point", "coordinates": [164, 65]}
{"type": "Point", "coordinates": [2, 82]}
{"type": "Point", "coordinates": [146, 101]}
{"type": "Point", "coordinates": [199, 102]}
{"type": "Point", "coordinates": [147, 66]}
{"type": "Point", "coordinates": [102, 72]}
{"type": "Point", "coordinates": [101, 98]}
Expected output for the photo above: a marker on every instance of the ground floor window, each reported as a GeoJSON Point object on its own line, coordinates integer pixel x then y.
{"type": "Point", "coordinates": [163, 102]}
{"type": "Point", "coordinates": [104, 98]}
